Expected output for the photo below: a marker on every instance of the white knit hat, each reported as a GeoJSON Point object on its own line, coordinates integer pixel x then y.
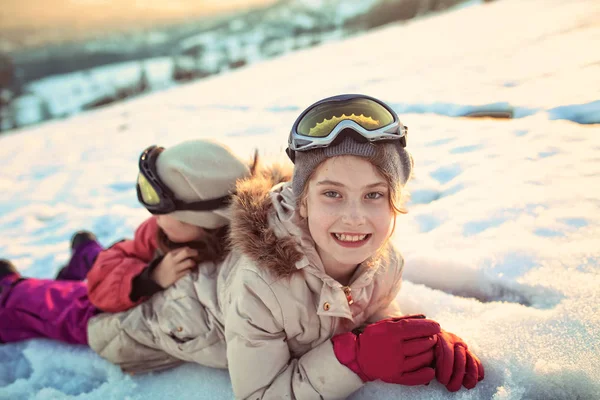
{"type": "Point", "coordinates": [201, 170]}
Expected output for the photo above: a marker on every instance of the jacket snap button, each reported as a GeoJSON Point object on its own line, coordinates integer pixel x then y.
{"type": "Point", "coordinates": [179, 329]}
{"type": "Point", "coordinates": [326, 306]}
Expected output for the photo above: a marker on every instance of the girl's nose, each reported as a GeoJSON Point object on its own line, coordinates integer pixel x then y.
{"type": "Point", "coordinates": [353, 214]}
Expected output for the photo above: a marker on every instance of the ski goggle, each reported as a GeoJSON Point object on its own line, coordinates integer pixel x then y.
{"type": "Point", "coordinates": [157, 197]}
{"type": "Point", "coordinates": [363, 117]}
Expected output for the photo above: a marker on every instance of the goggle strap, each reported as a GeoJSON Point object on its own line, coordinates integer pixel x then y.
{"type": "Point", "coordinates": [292, 153]}
{"type": "Point", "coordinates": [204, 205]}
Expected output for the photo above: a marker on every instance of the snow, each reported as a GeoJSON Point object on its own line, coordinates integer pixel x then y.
{"type": "Point", "coordinates": [501, 238]}
{"type": "Point", "coordinates": [588, 113]}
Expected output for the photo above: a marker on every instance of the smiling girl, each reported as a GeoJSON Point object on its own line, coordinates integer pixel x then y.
{"type": "Point", "coordinates": [312, 299]}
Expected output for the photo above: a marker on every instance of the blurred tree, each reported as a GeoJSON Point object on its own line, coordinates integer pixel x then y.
{"type": "Point", "coordinates": [7, 74]}
{"type": "Point", "coordinates": [7, 71]}
{"type": "Point", "coordinates": [144, 83]}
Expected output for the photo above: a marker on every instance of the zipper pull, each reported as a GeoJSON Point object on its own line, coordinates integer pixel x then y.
{"type": "Point", "coordinates": [348, 293]}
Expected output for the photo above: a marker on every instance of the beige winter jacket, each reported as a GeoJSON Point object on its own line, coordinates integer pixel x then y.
{"type": "Point", "coordinates": [267, 313]}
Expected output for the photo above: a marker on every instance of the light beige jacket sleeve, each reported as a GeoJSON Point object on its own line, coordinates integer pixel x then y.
{"type": "Point", "coordinates": [260, 363]}
{"type": "Point", "coordinates": [133, 355]}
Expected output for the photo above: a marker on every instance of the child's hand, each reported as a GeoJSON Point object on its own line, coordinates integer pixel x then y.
{"type": "Point", "coordinates": [455, 365]}
{"type": "Point", "coordinates": [394, 350]}
{"type": "Point", "coordinates": [173, 266]}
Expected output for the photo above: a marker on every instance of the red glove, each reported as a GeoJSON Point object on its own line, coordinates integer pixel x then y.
{"type": "Point", "coordinates": [395, 350]}
{"type": "Point", "coordinates": [455, 365]}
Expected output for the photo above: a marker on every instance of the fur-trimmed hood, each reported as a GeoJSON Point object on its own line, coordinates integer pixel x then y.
{"type": "Point", "coordinates": [252, 232]}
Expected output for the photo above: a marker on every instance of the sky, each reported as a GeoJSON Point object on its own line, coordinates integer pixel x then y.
{"type": "Point", "coordinates": [501, 238]}
{"type": "Point", "coordinates": [72, 19]}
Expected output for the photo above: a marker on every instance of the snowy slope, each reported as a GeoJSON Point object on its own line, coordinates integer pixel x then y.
{"type": "Point", "coordinates": [502, 235]}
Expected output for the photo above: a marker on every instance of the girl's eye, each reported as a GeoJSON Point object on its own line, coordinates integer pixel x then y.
{"type": "Point", "coordinates": [374, 195]}
{"type": "Point", "coordinates": [331, 193]}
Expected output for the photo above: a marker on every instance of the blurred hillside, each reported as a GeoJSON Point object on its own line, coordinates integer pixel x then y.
{"type": "Point", "coordinates": [60, 79]}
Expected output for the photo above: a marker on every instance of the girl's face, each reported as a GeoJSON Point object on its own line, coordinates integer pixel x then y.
{"type": "Point", "coordinates": [348, 212]}
{"type": "Point", "coordinates": [177, 231]}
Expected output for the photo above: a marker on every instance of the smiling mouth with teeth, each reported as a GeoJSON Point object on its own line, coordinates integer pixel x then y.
{"type": "Point", "coordinates": [351, 238]}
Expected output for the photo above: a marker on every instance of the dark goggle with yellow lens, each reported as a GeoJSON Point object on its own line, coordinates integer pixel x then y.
{"type": "Point", "coordinates": [158, 198]}
{"type": "Point", "coordinates": [323, 123]}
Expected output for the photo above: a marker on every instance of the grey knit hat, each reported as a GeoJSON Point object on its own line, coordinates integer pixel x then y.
{"type": "Point", "coordinates": [201, 169]}
{"type": "Point", "coordinates": [396, 160]}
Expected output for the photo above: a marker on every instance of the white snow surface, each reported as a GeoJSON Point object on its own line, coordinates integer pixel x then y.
{"type": "Point", "coordinates": [502, 238]}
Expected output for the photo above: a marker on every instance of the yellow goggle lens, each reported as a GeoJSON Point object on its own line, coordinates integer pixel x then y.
{"type": "Point", "coordinates": [149, 195]}
{"type": "Point", "coordinates": [322, 119]}
{"type": "Point", "coordinates": [324, 128]}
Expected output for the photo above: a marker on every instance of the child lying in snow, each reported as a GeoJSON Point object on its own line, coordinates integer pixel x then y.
{"type": "Point", "coordinates": [303, 304]}
{"type": "Point", "coordinates": [189, 187]}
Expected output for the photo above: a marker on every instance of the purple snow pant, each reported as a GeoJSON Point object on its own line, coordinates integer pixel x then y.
{"type": "Point", "coordinates": [45, 308]}
{"type": "Point", "coordinates": [81, 262]}
{"type": "Point", "coordinates": [36, 308]}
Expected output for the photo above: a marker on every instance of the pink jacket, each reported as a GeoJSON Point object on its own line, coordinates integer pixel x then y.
{"type": "Point", "coordinates": [110, 279]}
